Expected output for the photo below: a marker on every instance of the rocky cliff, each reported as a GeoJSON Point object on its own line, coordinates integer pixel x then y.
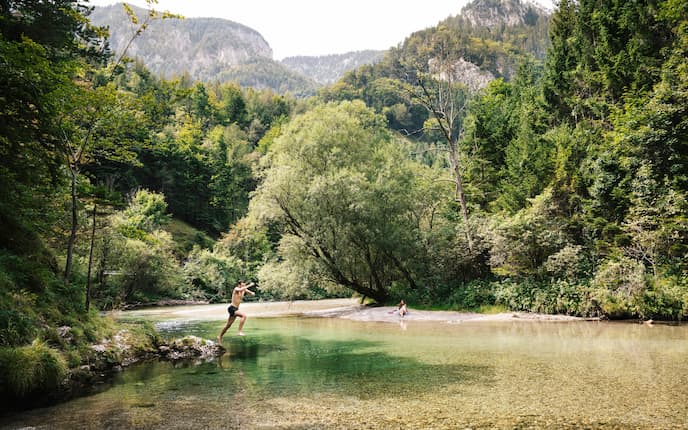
{"type": "Point", "coordinates": [211, 49]}
{"type": "Point", "coordinates": [493, 13]}
{"type": "Point", "coordinates": [202, 47]}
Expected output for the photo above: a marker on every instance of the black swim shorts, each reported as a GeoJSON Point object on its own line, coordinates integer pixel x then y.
{"type": "Point", "coordinates": [231, 309]}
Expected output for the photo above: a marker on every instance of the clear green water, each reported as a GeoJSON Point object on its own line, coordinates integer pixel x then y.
{"type": "Point", "coordinates": [312, 373]}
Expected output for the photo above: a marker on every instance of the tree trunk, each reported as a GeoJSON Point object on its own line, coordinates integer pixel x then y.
{"type": "Point", "coordinates": [72, 233]}
{"type": "Point", "coordinates": [445, 116]}
{"type": "Point", "coordinates": [458, 192]}
{"type": "Point", "coordinates": [90, 260]}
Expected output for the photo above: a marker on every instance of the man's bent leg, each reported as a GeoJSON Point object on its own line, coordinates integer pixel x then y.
{"type": "Point", "coordinates": [230, 320]}
{"type": "Point", "coordinates": [242, 320]}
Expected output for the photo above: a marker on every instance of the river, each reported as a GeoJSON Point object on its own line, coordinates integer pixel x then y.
{"type": "Point", "coordinates": [293, 372]}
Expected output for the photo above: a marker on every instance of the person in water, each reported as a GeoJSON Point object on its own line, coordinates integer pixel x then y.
{"type": "Point", "coordinates": [234, 312]}
{"type": "Point", "coordinates": [402, 309]}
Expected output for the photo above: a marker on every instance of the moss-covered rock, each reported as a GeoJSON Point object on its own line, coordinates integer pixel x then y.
{"type": "Point", "coordinates": [190, 347]}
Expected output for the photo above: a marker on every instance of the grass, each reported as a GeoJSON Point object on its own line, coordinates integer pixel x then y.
{"type": "Point", "coordinates": [492, 309]}
{"type": "Point", "coordinates": [185, 237]}
{"type": "Point", "coordinates": [25, 370]}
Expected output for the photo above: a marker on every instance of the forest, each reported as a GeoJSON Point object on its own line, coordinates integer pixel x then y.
{"type": "Point", "coordinates": [561, 186]}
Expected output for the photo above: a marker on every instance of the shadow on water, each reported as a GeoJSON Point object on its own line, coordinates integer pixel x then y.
{"type": "Point", "coordinates": [272, 366]}
{"type": "Point", "coordinates": [284, 366]}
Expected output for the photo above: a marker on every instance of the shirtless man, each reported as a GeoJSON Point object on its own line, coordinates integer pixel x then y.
{"type": "Point", "coordinates": [237, 295]}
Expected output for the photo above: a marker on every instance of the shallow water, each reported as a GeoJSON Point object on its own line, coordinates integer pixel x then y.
{"type": "Point", "coordinates": [312, 373]}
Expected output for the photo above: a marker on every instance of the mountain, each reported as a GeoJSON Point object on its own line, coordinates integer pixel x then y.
{"type": "Point", "coordinates": [200, 46]}
{"type": "Point", "coordinates": [492, 13]}
{"type": "Point", "coordinates": [211, 49]}
{"type": "Point", "coordinates": [207, 49]}
{"type": "Point", "coordinates": [497, 32]}
{"type": "Point", "coordinates": [264, 73]}
{"type": "Point", "coordinates": [328, 69]}
{"type": "Point", "coordinates": [496, 35]}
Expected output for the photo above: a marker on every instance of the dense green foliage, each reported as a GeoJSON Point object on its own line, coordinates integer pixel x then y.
{"type": "Point", "coordinates": [89, 144]}
{"type": "Point", "coordinates": [270, 75]}
{"type": "Point", "coordinates": [573, 168]}
{"type": "Point", "coordinates": [572, 171]}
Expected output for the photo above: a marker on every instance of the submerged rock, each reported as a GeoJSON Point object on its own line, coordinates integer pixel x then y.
{"type": "Point", "coordinates": [190, 347]}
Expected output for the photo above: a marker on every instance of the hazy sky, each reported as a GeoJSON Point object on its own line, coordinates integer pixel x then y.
{"type": "Point", "coordinates": [312, 27]}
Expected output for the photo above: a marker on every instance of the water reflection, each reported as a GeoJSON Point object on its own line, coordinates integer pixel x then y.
{"type": "Point", "coordinates": [295, 373]}
{"type": "Point", "coordinates": [287, 366]}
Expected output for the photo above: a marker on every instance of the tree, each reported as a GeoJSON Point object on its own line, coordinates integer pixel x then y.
{"type": "Point", "coordinates": [432, 82]}
{"type": "Point", "coordinates": [231, 106]}
{"type": "Point", "coordinates": [95, 124]}
{"type": "Point", "coordinates": [561, 58]}
{"type": "Point", "coordinates": [340, 188]}
{"type": "Point", "coordinates": [523, 242]}
{"type": "Point", "coordinates": [491, 124]}
{"type": "Point", "coordinates": [228, 153]}
{"type": "Point", "coordinates": [95, 121]}
{"type": "Point", "coordinates": [140, 252]}
{"type": "Point", "coordinates": [40, 45]}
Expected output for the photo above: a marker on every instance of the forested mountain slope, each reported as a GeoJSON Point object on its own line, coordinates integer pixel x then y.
{"type": "Point", "coordinates": [208, 49]}
{"type": "Point", "coordinates": [326, 69]}
{"type": "Point", "coordinates": [487, 40]}
{"type": "Point", "coordinates": [205, 49]}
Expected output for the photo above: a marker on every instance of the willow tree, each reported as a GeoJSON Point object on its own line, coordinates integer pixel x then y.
{"type": "Point", "coordinates": [349, 204]}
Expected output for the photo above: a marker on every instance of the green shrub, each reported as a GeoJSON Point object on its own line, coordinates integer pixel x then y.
{"type": "Point", "coordinates": [666, 298]}
{"type": "Point", "coordinates": [28, 370]}
{"type": "Point", "coordinates": [518, 296]}
{"type": "Point", "coordinates": [619, 287]}
{"type": "Point", "coordinates": [213, 274]}
{"type": "Point", "coordinates": [555, 297]}
{"type": "Point", "coordinates": [472, 296]}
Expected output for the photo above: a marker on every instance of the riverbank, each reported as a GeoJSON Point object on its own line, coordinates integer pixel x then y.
{"type": "Point", "coordinates": [389, 314]}
{"type": "Point", "coordinates": [38, 375]}
{"type": "Point", "coordinates": [331, 308]}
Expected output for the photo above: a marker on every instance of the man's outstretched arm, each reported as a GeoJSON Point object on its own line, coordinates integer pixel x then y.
{"type": "Point", "coordinates": [246, 288]}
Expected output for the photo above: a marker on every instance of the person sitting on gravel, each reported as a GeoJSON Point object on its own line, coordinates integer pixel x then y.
{"type": "Point", "coordinates": [402, 309]}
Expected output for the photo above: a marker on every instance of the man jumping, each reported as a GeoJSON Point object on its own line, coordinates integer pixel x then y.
{"type": "Point", "coordinates": [237, 296]}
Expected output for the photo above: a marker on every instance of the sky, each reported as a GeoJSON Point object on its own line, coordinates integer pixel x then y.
{"type": "Point", "coordinates": [312, 27]}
